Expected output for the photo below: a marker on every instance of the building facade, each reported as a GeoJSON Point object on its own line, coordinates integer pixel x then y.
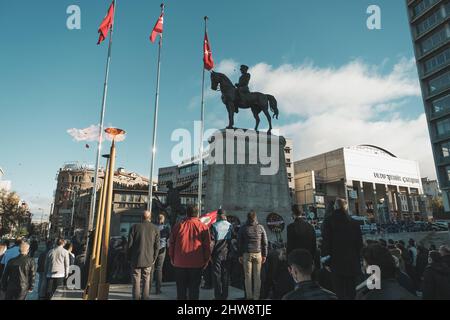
{"type": "Point", "coordinates": [430, 29]}
{"type": "Point", "coordinates": [375, 183]}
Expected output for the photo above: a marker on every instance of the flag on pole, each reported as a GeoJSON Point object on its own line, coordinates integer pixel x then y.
{"type": "Point", "coordinates": [209, 219]}
{"type": "Point", "coordinates": [158, 29]}
{"type": "Point", "coordinates": [106, 25]}
{"type": "Point", "coordinates": [207, 54]}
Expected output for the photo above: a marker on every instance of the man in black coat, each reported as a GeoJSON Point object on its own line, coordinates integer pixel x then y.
{"type": "Point", "coordinates": [19, 275]}
{"type": "Point", "coordinates": [143, 249]}
{"type": "Point", "coordinates": [300, 234]}
{"type": "Point", "coordinates": [342, 242]}
{"type": "Point", "coordinates": [301, 267]}
{"type": "Point", "coordinates": [436, 278]}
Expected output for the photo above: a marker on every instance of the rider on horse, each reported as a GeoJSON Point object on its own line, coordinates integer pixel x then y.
{"type": "Point", "coordinates": [242, 86]}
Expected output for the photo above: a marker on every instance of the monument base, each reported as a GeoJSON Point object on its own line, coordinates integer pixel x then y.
{"type": "Point", "coordinates": [247, 171]}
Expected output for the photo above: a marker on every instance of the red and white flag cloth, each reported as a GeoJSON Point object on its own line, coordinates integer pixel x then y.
{"type": "Point", "coordinates": [158, 29]}
{"type": "Point", "coordinates": [207, 54]}
{"type": "Point", "coordinates": [106, 25]}
{"type": "Point", "coordinates": [209, 219]}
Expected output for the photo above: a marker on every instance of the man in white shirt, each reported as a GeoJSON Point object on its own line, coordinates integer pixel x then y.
{"type": "Point", "coordinates": [56, 267]}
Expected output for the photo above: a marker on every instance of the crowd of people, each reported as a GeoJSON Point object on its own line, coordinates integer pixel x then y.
{"type": "Point", "coordinates": [223, 255]}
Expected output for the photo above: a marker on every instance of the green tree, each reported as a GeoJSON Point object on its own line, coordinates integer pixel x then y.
{"type": "Point", "coordinates": [14, 216]}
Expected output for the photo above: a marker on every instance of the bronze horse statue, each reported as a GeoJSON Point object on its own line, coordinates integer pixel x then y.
{"type": "Point", "coordinates": [256, 101]}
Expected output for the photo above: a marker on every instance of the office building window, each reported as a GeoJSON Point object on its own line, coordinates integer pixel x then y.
{"type": "Point", "coordinates": [439, 83]}
{"type": "Point", "coordinates": [434, 40]}
{"type": "Point", "coordinates": [443, 127]}
{"type": "Point", "coordinates": [430, 22]}
{"type": "Point", "coordinates": [422, 6]}
{"type": "Point", "coordinates": [445, 149]}
{"type": "Point", "coordinates": [437, 61]}
{"type": "Point", "coordinates": [441, 104]}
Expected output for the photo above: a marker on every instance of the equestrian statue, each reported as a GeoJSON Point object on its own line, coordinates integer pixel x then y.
{"type": "Point", "coordinates": [239, 96]}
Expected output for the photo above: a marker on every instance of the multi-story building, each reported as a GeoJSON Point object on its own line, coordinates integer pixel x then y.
{"type": "Point", "coordinates": [430, 29]}
{"type": "Point", "coordinates": [74, 181]}
{"type": "Point", "coordinates": [369, 177]}
{"type": "Point", "coordinates": [74, 190]}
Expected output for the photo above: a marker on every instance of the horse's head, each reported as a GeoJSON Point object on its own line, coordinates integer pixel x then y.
{"type": "Point", "coordinates": [214, 80]}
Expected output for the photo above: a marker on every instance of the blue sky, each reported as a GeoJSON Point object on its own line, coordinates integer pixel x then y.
{"type": "Point", "coordinates": [51, 78]}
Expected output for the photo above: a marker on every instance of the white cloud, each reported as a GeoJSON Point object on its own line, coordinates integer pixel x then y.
{"type": "Point", "coordinates": [354, 104]}
{"type": "Point", "coordinates": [90, 134]}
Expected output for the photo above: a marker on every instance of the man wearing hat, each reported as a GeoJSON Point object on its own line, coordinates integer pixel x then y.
{"type": "Point", "coordinates": [242, 86]}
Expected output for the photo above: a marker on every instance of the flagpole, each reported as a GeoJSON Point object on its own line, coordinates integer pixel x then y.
{"type": "Point", "coordinates": [100, 135]}
{"type": "Point", "coordinates": [202, 128]}
{"type": "Point", "coordinates": [155, 123]}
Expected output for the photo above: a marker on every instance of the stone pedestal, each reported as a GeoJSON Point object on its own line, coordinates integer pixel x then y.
{"type": "Point", "coordinates": [247, 171]}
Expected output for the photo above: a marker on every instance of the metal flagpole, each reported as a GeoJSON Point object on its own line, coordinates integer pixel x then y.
{"type": "Point", "coordinates": [100, 135]}
{"type": "Point", "coordinates": [202, 128]}
{"type": "Point", "coordinates": [155, 123]}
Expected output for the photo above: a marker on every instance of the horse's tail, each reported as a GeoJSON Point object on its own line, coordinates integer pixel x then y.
{"type": "Point", "coordinates": [273, 106]}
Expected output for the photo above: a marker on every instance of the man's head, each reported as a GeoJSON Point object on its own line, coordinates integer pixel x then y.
{"type": "Point", "coordinates": [244, 69]}
{"type": "Point", "coordinates": [378, 255]}
{"type": "Point", "coordinates": [169, 184]}
{"type": "Point", "coordinates": [341, 205]}
{"type": "Point", "coordinates": [18, 241]}
{"type": "Point", "coordinates": [24, 248]}
{"type": "Point", "coordinates": [49, 244]}
{"type": "Point", "coordinates": [221, 214]}
{"type": "Point", "coordinates": [412, 242]}
{"type": "Point", "coordinates": [192, 211]}
{"type": "Point", "coordinates": [147, 215]}
{"type": "Point", "coordinates": [251, 217]}
{"type": "Point", "coordinates": [296, 212]}
{"type": "Point", "coordinates": [60, 242]}
{"type": "Point", "coordinates": [301, 265]}
{"type": "Point", "coordinates": [161, 218]}
{"type": "Point", "coordinates": [68, 246]}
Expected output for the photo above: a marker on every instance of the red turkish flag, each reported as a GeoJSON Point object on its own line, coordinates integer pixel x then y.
{"type": "Point", "coordinates": [107, 24]}
{"type": "Point", "coordinates": [209, 219]}
{"type": "Point", "coordinates": [207, 54]}
{"type": "Point", "coordinates": [158, 29]}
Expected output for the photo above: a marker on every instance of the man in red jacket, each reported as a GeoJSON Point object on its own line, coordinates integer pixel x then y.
{"type": "Point", "coordinates": [189, 251]}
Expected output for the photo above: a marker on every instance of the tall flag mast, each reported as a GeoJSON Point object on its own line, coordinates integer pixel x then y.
{"type": "Point", "coordinates": [157, 30]}
{"type": "Point", "coordinates": [106, 26]}
{"type": "Point", "coordinates": [208, 64]}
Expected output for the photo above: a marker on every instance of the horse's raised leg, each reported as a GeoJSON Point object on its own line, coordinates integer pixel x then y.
{"type": "Point", "coordinates": [256, 116]}
{"type": "Point", "coordinates": [266, 112]}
